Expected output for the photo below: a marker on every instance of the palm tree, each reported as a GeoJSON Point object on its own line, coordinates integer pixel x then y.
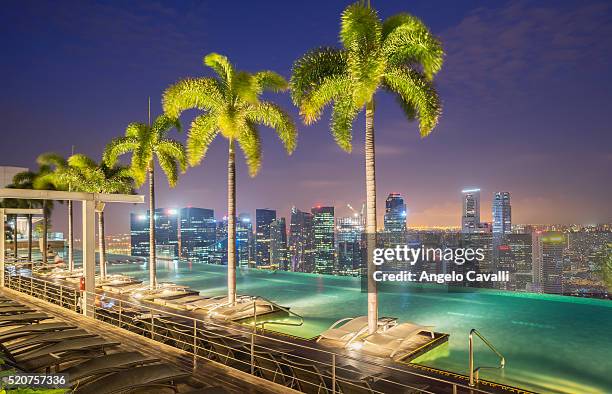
{"type": "Point", "coordinates": [57, 163]}
{"type": "Point", "coordinates": [40, 181]}
{"type": "Point", "coordinates": [232, 107]}
{"type": "Point", "coordinates": [23, 182]}
{"type": "Point", "coordinates": [399, 55]}
{"type": "Point", "coordinates": [86, 175]}
{"type": "Point", "coordinates": [148, 142]}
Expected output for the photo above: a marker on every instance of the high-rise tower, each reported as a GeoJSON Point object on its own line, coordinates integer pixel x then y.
{"type": "Point", "coordinates": [470, 213]}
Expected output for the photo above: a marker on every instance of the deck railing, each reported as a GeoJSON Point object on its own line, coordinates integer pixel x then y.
{"type": "Point", "coordinates": [292, 363]}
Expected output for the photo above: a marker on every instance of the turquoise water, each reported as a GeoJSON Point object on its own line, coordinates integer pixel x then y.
{"type": "Point", "coordinates": [551, 343]}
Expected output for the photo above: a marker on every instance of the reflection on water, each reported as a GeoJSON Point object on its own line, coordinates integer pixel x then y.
{"type": "Point", "coordinates": [551, 343]}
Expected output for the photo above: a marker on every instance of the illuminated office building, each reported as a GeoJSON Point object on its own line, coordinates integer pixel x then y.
{"type": "Point", "coordinates": [263, 220]}
{"type": "Point", "coordinates": [324, 245]}
{"type": "Point", "coordinates": [301, 241]}
{"type": "Point", "coordinates": [278, 244]}
{"type": "Point", "coordinates": [197, 234]}
{"type": "Point", "coordinates": [502, 215]}
{"type": "Point", "coordinates": [470, 213]}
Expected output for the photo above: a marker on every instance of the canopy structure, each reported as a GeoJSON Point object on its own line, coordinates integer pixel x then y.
{"type": "Point", "coordinates": [88, 201]}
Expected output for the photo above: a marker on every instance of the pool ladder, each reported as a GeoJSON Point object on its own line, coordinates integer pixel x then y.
{"type": "Point", "coordinates": [474, 372]}
{"type": "Point", "coordinates": [282, 308]}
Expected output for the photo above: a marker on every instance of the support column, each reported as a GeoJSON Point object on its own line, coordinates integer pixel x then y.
{"type": "Point", "coordinates": [2, 248]}
{"type": "Point", "coordinates": [89, 255]}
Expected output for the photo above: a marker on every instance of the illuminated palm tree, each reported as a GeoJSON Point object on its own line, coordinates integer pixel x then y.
{"type": "Point", "coordinates": [399, 55]}
{"type": "Point", "coordinates": [148, 142]}
{"type": "Point", "coordinates": [23, 182]}
{"type": "Point", "coordinates": [56, 163]}
{"type": "Point", "coordinates": [232, 107]}
{"type": "Point", "coordinates": [86, 175]}
{"type": "Point", "coordinates": [38, 180]}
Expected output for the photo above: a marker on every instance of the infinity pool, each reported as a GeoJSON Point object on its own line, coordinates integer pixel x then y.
{"type": "Point", "coordinates": [551, 343]}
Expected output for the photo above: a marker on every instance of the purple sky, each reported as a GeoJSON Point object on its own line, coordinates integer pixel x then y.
{"type": "Point", "coordinates": [526, 88]}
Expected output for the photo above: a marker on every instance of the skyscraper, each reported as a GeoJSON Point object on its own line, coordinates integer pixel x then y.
{"type": "Point", "coordinates": [395, 214]}
{"type": "Point", "coordinates": [502, 215]}
{"type": "Point", "coordinates": [263, 219]}
{"type": "Point", "coordinates": [139, 234]}
{"type": "Point", "coordinates": [470, 213]}
{"type": "Point", "coordinates": [349, 244]}
{"type": "Point", "coordinates": [552, 262]}
{"type": "Point", "coordinates": [166, 233]}
{"type": "Point", "coordinates": [278, 244]}
{"type": "Point", "coordinates": [244, 239]}
{"type": "Point", "coordinates": [395, 221]}
{"type": "Point", "coordinates": [324, 245]}
{"type": "Point", "coordinates": [197, 234]}
{"type": "Point", "coordinates": [301, 241]}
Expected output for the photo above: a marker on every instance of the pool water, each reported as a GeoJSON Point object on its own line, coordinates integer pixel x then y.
{"type": "Point", "coordinates": [552, 344]}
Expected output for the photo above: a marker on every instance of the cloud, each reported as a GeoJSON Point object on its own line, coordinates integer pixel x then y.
{"type": "Point", "coordinates": [497, 51]}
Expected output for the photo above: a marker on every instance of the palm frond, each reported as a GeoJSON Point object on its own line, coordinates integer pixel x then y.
{"type": "Point", "coordinates": [201, 93]}
{"type": "Point", "coordinates": [407, 40]}
{"type": "Point", "coordinates": [201, 134]}
{"type": "Point", "coordinates": [136, 130]}
{"type": "Point", "coordinates": [343, 114]}
{"type": "Point", "coordinates": [170, 167]}
{"type": "Point", "coordinates": [250, 144]}
{"type": "Point", "coordinates": [245, 87]}
{"type": "Point", "coordinates": [117, 147]}
{"type": "Point", "coordinates": [51, 159]}
{"type": "Point", "coordinates": [314, 67]}
{"type": "Point", "coordinates": [163, 124]}
{"type": "Point", "coordinates": [360, 28]}
{"type": "Point", "coordinates": [82, 161]}
{"type": "Point", "coordinates": [174, 149]}
{"type": "Point", "coordinates": [416, 89]}
{"type": "Point", "coordinates": [270, 81]}
{"type": "Point", "coordinates": [221, 65]}
{"type": "Point", "coordinates": [273, 116]}
{"type": "Point", "coordinates": [323, 94]}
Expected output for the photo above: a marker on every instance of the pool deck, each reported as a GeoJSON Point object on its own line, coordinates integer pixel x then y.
{"type": "Point", "coordinates": [208, 373]}
{"type": "Point", "coordinates": [355, 364]}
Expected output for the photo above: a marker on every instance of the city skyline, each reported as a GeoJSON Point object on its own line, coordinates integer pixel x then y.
{"type": "Point", "coordinates": [555, 159]}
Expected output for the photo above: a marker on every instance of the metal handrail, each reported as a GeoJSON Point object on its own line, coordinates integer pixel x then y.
{"type": "Point", "coordinates": [475, 372]}
{"type": "Point", "coordinates": [124, 321]}
{"type": "Point", "coordinates": [282, 308]}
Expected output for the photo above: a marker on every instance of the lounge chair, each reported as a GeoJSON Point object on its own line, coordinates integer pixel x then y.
{"type": "Point", "coordinates": [394, 340]}
{"type": "Point", "coordinates": [241, 310]}
{"type": "Point", "coordinates": [231, 350]}
{"type": "Point", "coordinates": [271, 368]}
{"type": "Point", "coordinates": [106, 364]}
{"type": "Point", "coordinates": [21, 319]}
{"type": "Point", "coordinates": [347, 332]}
{"type": "Point", "coordinates": [58, 353]}
{"type": "Point", "coordinates": [307, 377]}
{"type": "Point", "coordinates": [32, 329]}
{"type": "Point", "coordinates": [23, 346]}
{"type": "Point", "coordinates": [14, 310]}
{"type": "Point", "coordinates": [148, 376]}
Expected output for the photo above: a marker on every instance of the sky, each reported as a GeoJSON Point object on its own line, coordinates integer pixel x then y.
{"type": "Point", "coordinates": [526, 90]}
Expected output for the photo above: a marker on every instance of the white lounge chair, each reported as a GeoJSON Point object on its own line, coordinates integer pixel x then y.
{"type": "Point", "coordinates": [394, 340]}
{"type": "Point", "coordinates": [346, 333]}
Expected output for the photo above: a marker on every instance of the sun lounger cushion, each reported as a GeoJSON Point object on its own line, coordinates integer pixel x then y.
{"type": "Point", "coordinates": [105, 364]}
{"type": "Point", "coordinates": [133, 378]}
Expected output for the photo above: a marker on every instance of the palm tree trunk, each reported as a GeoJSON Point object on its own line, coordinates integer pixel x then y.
{"type": "Point", "coordinates": [231, 224]}
{"type": "Point", "coordinates": [70, 237]}
{"type": "Point", "coordinates": [370, 167]}
{"type": "Point", "coordinates": [15, 246]}
{"type": "Point", "coordinates": [152, 258]}
{"type": "Point", "coordinates": [102, 244]}
{"type": "Point", "coordinates": [30, 239]}
{"type": "Point", "coordinates": [44, 234]}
